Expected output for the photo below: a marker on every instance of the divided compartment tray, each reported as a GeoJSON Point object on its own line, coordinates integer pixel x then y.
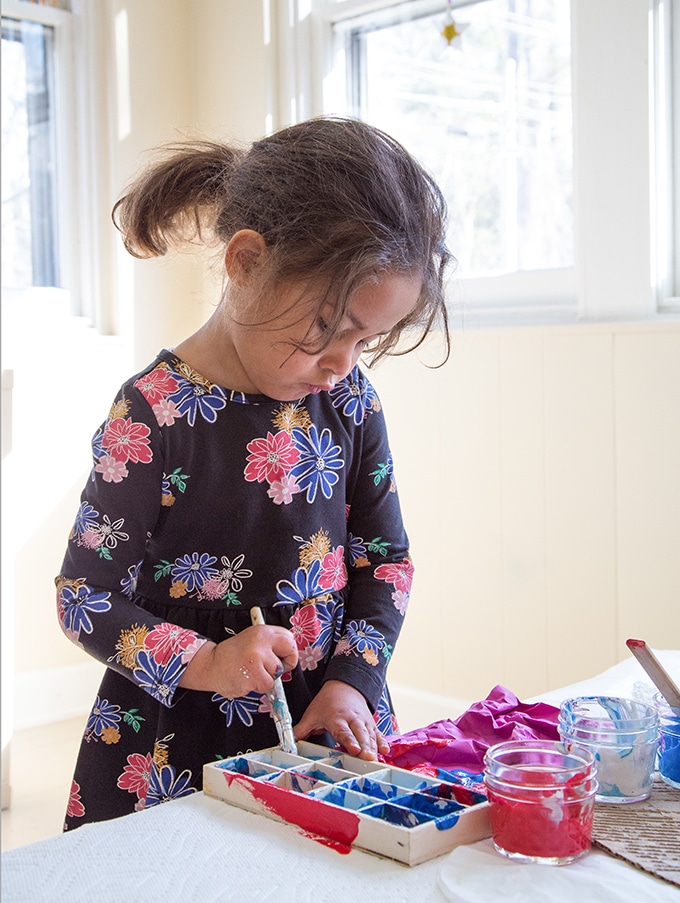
{"type": "Point", "coordinates": [350, 802]}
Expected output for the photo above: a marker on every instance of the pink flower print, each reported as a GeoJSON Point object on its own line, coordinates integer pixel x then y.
{"type": "Point", "coordinates": [309, 657]}
{"type": "Point", "coordinates": [305, 626]}
{"type": "Point", "coordinates": [167, 640]}
{"type": "Point", "coordinates": [75, 808]}
{"type": "Point", "coordinates": [213, 589]}
{"type": "Point", "coordinates": [156, 385]}
{"type": "Point", "coordinates": [333, 571]}
{"type": "Point", "coordinates": [127, 441]}
{"type": "Point", "coordinates": [136, 775]}
{"type": "Point", "coordinates": [91, 539]}
{"type": "Point", "coordinates": [166, 412]}
{"type": "Point", "coordinates": [283, 490]}
{"type": "Point", "coordinates": [400, 599]}
{"type": "Point", "coordinates": [399, 575]}
{"type": "Point", "coordinates": [190, 651]}
{"type": "Point", "coordinates": [271, 458]}
{"type": "Point", "coordinates": [112, 470]}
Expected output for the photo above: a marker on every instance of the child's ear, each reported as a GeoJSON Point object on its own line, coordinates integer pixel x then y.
{"type": "Point", "coordinates": [246, 251]}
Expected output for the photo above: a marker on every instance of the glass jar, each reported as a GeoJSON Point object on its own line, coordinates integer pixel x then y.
{"type": "Point", "coordinates": [541, 800]}
{"type": "Point", "coordinates": [622, 734]}
{"type": "Point", "coordinates": [668, 756]}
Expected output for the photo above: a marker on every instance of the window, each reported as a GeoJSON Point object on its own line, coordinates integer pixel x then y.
{"type": "Point", "coordinates": [665, 148]}
{"type": "Point", "coordinates": [55, 146]}
{"type": "Point", "coordinates": [491, 120]}
{"type": "Point", "coordinates": [571, 77]}
{"type": "Point", "coordinates": [29, 203]}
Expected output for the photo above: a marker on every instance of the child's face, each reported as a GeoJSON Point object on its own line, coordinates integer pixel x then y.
{"type": "Point", "coordinates": [272, 362]}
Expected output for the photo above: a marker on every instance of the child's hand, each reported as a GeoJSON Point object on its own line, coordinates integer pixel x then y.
{"type": "Point", "coordinates": [342, 711]}
{"type": "Point", "coordinates": [249, 661]}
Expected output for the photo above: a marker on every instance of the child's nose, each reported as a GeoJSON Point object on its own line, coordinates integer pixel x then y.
{"type": "Point", "coordinates": [339, 358]}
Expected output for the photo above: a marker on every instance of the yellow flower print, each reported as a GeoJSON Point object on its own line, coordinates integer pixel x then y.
{"type": "Point", "coordinates": [315, 548]}
{"type": "Point", "coordinates": [178, 589]}
{"type": "Point", "coordinates": [362, 562]}
{"type": "Point", "coordinates": [119, 409]}
{"type": "Point", "coordinates": [160, 754]}
{"type": "Point", "coordinates": [61, 581]}
{"type": "Point", "coordinates": [110, 735]}
{"type": "Point", "coordinates": [130, 644]}
{"type": "Point", "coordinates": [289, 416]}
{"type": "Point", "coordinates": [370, 656]}
{"type": "Point", "coordinates": [192, 375]}
{"type": "Point", "coordinates": [167, 500]}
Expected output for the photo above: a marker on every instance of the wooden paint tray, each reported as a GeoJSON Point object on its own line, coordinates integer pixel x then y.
{"type": "Point", "coordinates": [348, 802]}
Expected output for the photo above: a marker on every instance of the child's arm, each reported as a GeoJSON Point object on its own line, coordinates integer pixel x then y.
{"type": "Point", "coordinates": [380, 574]}
{"type": "Point", "coordinates": [119, 510]}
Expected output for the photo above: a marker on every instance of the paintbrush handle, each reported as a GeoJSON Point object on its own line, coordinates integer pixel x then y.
{"type": "Point", "coordinates": [660, 677]}
{"type": "Point", "coordinates": [277, 698]}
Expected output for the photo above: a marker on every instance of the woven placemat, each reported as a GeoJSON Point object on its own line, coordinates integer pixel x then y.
{"type": "Point", "coordinates": [646, 834]}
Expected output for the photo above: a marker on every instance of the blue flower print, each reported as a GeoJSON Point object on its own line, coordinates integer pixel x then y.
{"type": "Point", "coordinates": [104, 714]}
{"type": "Point", "coordinates": [129, 584]}
{"type": "Point", "coordinates": [164, 786]}
{"type": "Point", "coordinates": [356, 547]}
{"type": "Point", "coordinates": [242, 707]}
{"type": "Point", "coordinates": [97, 443]}
{"type": "Point", "coordinates": [193, 398]}
{"type": "Point", "coordinates": [384, 718]}
{"type": "Point", "coordinates": [86, 518]}
{"type": "Point", "coordinates": [318, 463]}
{"type": "Point", "coordinates": [355, 395]}
{"type": "Point", "coordinates": [363, 638]}
{"type": "Point", "coordinates": [75, 605]}
{"type": "Point", "coordinates": [330, 617]}
{"type": "Point", "coordinates": [304, 586]}
{"type": "Point", "coordinates": [194, 570]}
{"type": "Point", "coordinates": [159, 680]}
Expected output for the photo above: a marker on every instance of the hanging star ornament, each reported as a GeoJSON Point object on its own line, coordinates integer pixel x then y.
{"type": "Point", "coordinates": [451, 31]}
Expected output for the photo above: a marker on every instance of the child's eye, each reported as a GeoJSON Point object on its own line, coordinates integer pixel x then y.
{"type": "Point", "coordinates": [321, 325]}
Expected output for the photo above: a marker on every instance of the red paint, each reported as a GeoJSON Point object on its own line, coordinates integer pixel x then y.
{"type": "Point", "coordinates": [549, 828]}
{"type": "Point", "coordinates": [329, 824]}
{"type": "Point", "coordinates": [637, 643]}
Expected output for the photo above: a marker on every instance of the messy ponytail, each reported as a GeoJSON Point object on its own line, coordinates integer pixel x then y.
{"type": "Point", "coordinates": [338, 203]}
{"type": "Point", "coordinates": [177, 198]}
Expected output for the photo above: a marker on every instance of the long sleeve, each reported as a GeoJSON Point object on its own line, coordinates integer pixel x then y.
{"type": "Point", "coordinates": [119, 509]}
{"type": "Point", "coordinates": [380, 570]}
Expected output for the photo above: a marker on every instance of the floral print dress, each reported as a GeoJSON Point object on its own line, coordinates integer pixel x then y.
{"type": "Point", "coordinates": [201, 503]}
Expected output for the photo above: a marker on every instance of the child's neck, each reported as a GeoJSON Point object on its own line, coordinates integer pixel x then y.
{"type": "Point", "coordinates": [210, 351]}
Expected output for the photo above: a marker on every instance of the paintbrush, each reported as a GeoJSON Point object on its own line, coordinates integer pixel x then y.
{"type": "Point", "coordinates": [279, 704]}
{"type": "Point", "coordinates": [660, 677]}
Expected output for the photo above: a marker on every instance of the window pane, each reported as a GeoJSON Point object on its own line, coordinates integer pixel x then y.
{"type": "Point", "coordinates": [28, 149]}
{"type": "Point", "coordinates": [488, 116]}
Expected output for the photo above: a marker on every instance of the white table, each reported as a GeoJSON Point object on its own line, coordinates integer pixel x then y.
{"type": "Point", "coordinates": [200, 849]}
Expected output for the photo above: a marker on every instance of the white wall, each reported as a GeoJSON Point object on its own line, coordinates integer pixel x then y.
{"type": "Point", "coordinates": [538, 469]}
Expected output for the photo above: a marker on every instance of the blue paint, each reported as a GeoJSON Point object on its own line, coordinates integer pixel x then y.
{"type": "Point", "coordinates": [372, 788]}
{"type": "Point", "coordinates": [668, 760]}
{"type": "Point", "coordinates": [241, 765]}
{"type": "Point", "coordinates": [396, 815]}
{"type": "Point", "coordinates": [444, 813]}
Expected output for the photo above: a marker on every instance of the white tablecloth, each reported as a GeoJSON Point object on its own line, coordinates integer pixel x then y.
{"type": "Point", "coordinates": [200, 849]}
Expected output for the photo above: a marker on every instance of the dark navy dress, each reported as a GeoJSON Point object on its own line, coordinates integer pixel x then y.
{"type": "Point", "coordinates": [202, 503]}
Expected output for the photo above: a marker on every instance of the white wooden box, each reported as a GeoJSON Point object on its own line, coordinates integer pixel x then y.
{"type": "Point", "coordinates": [347, 802]}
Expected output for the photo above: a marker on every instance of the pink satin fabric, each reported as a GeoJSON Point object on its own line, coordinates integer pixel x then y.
{"type": "Point", "coordinates": [461, 744]}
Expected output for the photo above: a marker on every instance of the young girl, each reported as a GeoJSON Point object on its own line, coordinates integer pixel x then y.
{"type": "Point", "coordinates": [249, 466]}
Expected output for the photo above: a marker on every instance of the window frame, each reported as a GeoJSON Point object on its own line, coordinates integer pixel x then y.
{"type": "Point", "coordinates": [613, 274]}
{"type": "Point", "coordinates": [82, 142]}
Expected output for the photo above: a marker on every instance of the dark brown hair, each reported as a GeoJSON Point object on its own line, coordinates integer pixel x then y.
{"type": "Point", "coordinates": [337, 201]}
